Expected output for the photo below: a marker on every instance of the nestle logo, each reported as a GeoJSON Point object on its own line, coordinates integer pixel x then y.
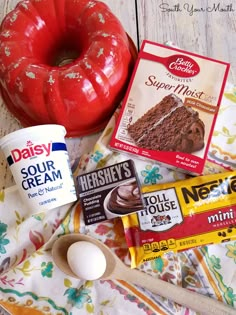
{"type": "Point", "coordinates": [212, 189]}
{"type": "Point", "coordinates": [182, 66]}
{"type": "Point", "coordinates": [30, 151]}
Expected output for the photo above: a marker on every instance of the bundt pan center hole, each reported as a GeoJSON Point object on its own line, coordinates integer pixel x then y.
{"type": "Point", "coordinates": [63, 52]}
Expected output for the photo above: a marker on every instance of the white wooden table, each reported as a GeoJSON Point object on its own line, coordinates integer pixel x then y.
{"type": "Point", "coordinates": [206, 27]}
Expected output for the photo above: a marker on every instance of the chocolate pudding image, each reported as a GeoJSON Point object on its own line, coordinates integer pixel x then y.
{"type": "Point", "coordinates": [124, 199]}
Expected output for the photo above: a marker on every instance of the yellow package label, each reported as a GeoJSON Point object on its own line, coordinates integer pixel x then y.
{"type": "Point", "coordinates": [181, 215]}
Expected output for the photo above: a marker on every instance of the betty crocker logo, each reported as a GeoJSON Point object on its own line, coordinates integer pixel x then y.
{"type": "Point", "coordinates": [182, 66]}
{"type": "Point", "coordinates": [179, 65]}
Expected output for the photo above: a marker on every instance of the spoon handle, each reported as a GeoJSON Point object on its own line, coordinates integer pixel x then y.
{"type": "Point", "coordinates": [198, 302]}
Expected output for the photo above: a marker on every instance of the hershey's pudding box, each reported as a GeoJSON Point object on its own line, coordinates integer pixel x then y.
{"type": "Point", "coordinates": [109, 192]}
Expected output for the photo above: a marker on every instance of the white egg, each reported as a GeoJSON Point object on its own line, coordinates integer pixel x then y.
{"type": "Point", "coordinates": [86, 260]}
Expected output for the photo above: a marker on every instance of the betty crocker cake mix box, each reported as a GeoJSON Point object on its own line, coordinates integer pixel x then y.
{"type": "Point", "coordinates": [170, 107]}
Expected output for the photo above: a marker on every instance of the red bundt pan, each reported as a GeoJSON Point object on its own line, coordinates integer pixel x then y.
{"type": "Point", "coordinates": [64, 61]}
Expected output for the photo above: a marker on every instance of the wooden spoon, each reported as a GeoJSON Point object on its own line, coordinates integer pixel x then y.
{"type": "Point", "coordinates": [116, 269]}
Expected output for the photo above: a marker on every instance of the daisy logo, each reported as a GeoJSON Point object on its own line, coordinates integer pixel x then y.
{"type": "Point", "coordinates": [30, 150]}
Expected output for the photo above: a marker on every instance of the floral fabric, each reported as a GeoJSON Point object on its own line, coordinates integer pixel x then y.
{"type": "Point", "coordinates": [29, 278]}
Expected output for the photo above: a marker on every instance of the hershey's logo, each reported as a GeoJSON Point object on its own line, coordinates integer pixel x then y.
{"type": "Point", "coordinates": [212, 189]}
{"type": "Point", "coordinates": [105, 176]}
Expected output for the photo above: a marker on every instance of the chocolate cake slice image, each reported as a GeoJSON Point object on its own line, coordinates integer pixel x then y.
{"type": "Point", "coordinates": [169, 126]}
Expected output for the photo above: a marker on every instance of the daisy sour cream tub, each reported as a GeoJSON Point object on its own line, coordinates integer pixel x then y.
{"type": "Point", "coordinates": [39, 162]}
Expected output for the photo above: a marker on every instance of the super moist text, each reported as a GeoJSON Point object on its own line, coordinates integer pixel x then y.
{"type": "Point", "coordinates": [178, 89]}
